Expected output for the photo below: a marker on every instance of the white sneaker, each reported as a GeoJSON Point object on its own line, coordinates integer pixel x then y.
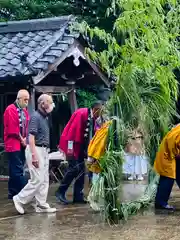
{"type": "Point", "coordinates": [45, 209]}
{"type": "Point", "coordinates": [140, 178]}
{"type": "Point", "coordinates": [18, 205]}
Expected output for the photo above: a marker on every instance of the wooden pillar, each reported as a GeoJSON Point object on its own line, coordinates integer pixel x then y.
{"type": "Point", "coordinates": [33, 98]}
{"type": "Point", "coordinates": [32, 104]}
{"type": "Point", "coordinates": [72, 100]}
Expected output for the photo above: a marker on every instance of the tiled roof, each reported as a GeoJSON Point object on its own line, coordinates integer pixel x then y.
{"type": "Point", "coordinates": [41, 42]}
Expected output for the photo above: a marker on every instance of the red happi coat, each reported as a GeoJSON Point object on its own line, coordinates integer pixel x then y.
{"type": "Point", "coordinates": [74, 131]}
{"type": "Point", "coordinates": [12, 128]}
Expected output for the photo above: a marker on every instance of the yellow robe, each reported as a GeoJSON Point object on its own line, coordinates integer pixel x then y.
{"type": "Point", "coordinates": [97, 147]}
{"type": "Point", "coordinates": [165, 162]}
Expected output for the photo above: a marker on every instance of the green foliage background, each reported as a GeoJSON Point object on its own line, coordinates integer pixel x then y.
{"type": "Point", "coordinates": [85, 98]}
{"type": "Point", "coordinates": [93, 11]}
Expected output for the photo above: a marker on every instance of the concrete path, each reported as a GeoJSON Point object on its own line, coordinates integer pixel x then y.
{"type": "Point", "coordinates": [81, 223]}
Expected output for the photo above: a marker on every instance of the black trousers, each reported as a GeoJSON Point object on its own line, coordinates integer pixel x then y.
{"type": "Point", "coordinates": [75, 171]}
{"type": "Point", "coordinates": [165, 186]}
{"type": "Point", "coordinates": [17, 180]}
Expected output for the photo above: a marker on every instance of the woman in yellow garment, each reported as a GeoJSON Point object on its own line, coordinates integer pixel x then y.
{"type": "Point", "coordinates": [167, 165]}
{"type": "Point", "coordinates": [96, 150]}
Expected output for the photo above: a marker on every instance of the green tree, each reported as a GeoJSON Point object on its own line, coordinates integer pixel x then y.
{"type": "Point", "coordinates": [93, 11]}
{"type": "Point", "coordinates": [33, 9]}
{"type": "Point", "coordinates": [146, 88]}
{"type": "Point", "coordinates": [85, 98]}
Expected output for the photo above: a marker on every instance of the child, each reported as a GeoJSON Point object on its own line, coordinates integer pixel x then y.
{"type": "Point", "coordinates": [135, 158]}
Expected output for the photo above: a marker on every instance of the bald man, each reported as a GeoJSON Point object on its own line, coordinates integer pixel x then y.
{"type": "Point", "coordinates": [16, 120]}
{"type": "Point", "coordinates": [37, 159]}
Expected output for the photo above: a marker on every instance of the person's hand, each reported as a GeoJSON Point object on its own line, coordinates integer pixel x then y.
{"type": "Point", "coordinates": [35, 161]}
{"type": "Point", "coordinates": [90, 160]}
{"type": "Point", "coordinates": [23, 142]}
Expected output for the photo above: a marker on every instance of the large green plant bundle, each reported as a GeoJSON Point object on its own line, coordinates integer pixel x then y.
{"type": "Point", "coordinates": [146, 88]}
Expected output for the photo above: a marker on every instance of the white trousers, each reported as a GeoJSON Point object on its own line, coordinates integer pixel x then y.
{"type": "Point", "coordinates": [38, 184]}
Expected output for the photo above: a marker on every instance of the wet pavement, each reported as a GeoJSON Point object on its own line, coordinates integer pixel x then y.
{"type": "Point", "coordinates": [81, 223]}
